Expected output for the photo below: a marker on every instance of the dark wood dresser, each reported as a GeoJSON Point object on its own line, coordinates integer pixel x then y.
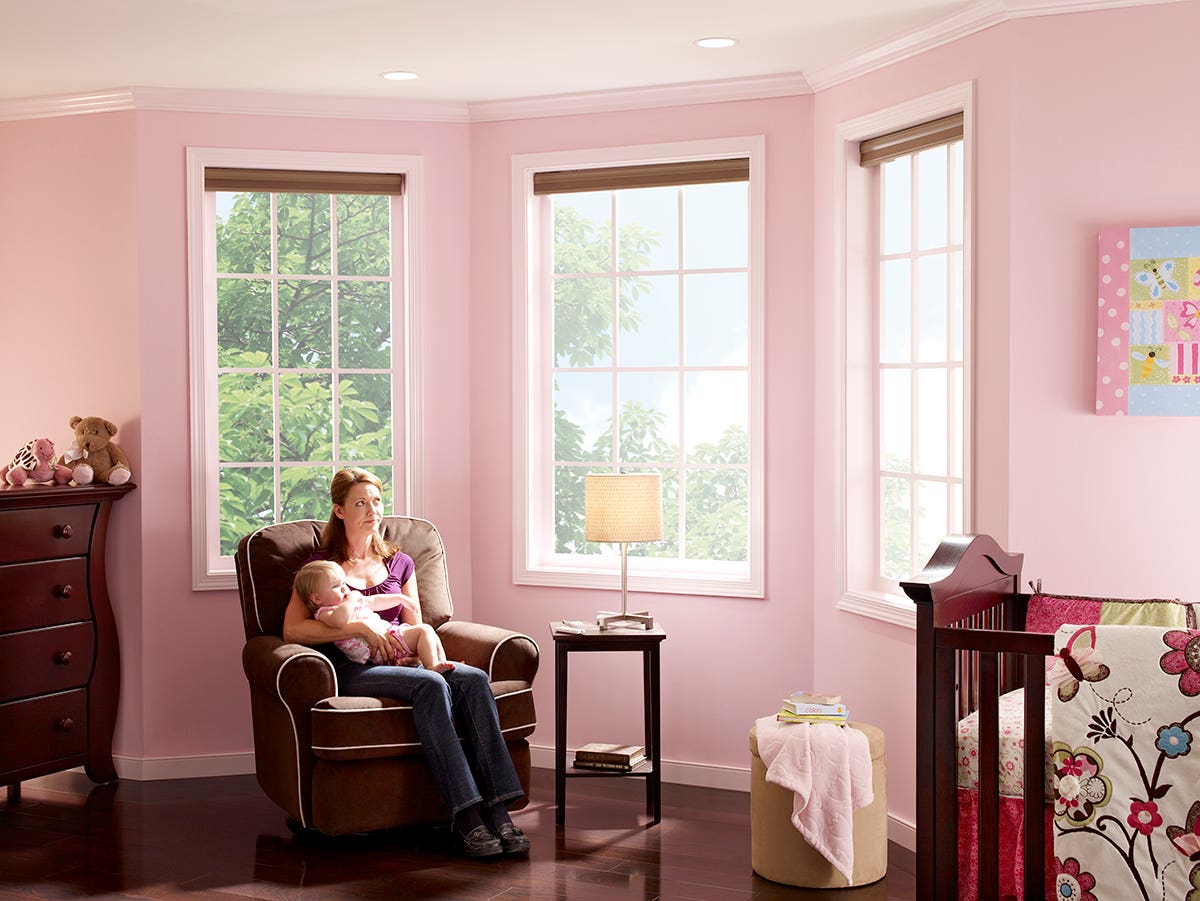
{"type": "Point", "coordinates": [59, 658]}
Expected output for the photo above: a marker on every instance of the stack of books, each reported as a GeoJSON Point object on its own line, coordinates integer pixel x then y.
{"type": "Point", "coordinates": [599, 755]}
{"type": "Point", "coordinates": [813, 707]}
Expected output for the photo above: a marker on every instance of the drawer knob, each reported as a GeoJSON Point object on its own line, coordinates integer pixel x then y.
{"type": "Point", "coordinates": [65, 724]}
{"type": "Point", "coordinates": [63, 591]}
{"type": "Point", "coordinates": [63, 658]}
{"type": "Point", "coordinates": [63, 531]}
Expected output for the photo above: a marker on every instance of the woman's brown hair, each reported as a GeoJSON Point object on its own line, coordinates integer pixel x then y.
{"type": "Point", "coordinates": [333, 539]}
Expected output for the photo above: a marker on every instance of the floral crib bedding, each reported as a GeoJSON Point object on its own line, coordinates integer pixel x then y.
{"type": "Point", "coordinates": [1126, 780]}
{"type": "Point", "coordinates": [1046, 613]}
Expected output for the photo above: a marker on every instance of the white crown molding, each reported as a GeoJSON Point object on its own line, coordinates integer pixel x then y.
{"type": "Point", "coordinates": [757, 87]}
{"type": "Point", "coordinates": [957, 25]}
{"type": "Point", "coordinates": [263, 103]}
{"type": "Point", "coordinates": [973, 18]}
{"type": "Point", "coordinates": [66, 105]}
{"type": "Point", "coordinates": [250, 103]}
{"type": "Point", "coordinates": [1022, 9]}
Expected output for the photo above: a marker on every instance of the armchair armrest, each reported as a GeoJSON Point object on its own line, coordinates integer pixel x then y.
{"type": "Point", "coordinates": [501, 653]}
{"type": "Point", "coordinates": [309, 674]}
{"type": "Point", "coordinates": [286, 680]}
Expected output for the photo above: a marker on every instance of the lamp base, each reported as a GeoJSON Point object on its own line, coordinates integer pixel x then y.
{"type": "Point", "coordinates": [608, 620]}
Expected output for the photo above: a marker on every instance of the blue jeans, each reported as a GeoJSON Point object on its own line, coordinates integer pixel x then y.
{"type": "Point", "coordinates": [476, 770]}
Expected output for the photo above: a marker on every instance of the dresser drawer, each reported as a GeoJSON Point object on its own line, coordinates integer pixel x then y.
{"type": "Point", "coordinates": [42, 533]}
{"type": "Point", "coordinates": [46, 660]}
{"type": "Point", "coordinates": [43, 594]}
{"type": "Point", "coordinates": [43, 729]}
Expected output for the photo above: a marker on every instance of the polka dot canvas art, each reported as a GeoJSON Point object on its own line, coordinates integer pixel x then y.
{"type": "Point", "coordinates": [1148, 328]}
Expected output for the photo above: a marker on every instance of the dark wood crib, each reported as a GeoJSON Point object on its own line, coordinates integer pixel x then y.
{"type": "Point", "coordinates": [971, 649]}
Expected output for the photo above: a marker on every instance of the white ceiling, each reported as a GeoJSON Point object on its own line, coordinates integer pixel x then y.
{"type": "Point", "coordinates": [463, 50]}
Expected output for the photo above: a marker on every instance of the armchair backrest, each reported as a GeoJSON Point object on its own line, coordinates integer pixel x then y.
{"type": "Point", "coordinates": [267, 561]}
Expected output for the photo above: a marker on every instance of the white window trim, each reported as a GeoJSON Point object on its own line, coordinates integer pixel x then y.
{"type": "Point", "coordinates": [210, 572]}
{"type": "Point", "coordinates": [885, 606]}
{"type": "Point", "coordinates": [602, 570]}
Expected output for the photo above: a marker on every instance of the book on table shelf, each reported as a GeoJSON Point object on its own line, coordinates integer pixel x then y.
{"type": "Point", "coordinates": [604, 752]}
{"type": "Point", "coordinates": [610, 767]}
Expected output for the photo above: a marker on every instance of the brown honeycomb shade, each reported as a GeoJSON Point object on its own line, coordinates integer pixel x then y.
{"type": "Point", "coordinates": [877, 151]}
{"type": "Point", "coordinates": [657, 175]}
{"type": "Point", "coordinates": [303, 182]}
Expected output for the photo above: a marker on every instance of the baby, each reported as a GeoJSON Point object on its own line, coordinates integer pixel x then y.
{"type": "Point", "coordinates": [323, 586]}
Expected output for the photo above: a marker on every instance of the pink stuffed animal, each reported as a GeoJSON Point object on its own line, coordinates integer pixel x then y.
{"type": "Point", "coordinates": [35, 463]}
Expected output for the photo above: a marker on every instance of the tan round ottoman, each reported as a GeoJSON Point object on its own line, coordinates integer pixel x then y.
{"type": "Point", "coordinates": [777, 850]}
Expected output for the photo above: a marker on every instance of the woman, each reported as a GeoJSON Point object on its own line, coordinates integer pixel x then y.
{"type": "Point", "coordinates": [476, 783]}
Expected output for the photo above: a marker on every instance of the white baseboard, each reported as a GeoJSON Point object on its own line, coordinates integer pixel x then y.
{"type": "Point", "coordinates": [151, 769]}
{"type": "Point", "coordinates": [902, 832]}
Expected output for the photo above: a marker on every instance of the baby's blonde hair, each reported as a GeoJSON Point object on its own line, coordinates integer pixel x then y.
{"type": "Point", "coordinates": [313, 577]}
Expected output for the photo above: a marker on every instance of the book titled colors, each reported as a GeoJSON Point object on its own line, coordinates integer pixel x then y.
{"type": "Point", "coordinates": [806, 708]}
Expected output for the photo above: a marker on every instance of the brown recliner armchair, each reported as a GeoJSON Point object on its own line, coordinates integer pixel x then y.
{"type": "Point", "coordinates": [354, 764]}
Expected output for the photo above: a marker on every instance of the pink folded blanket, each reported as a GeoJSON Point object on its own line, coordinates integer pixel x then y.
{"type": "Point", "coordinates": [828, 768]}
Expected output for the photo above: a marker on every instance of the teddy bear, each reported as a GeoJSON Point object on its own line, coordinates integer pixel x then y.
{"type": "Point", "coordinates": [93, 457]}
{"type": "Point", "coordinates": [35, 463]}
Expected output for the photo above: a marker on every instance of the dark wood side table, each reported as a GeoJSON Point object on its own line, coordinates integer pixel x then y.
{"type": "Point", "coordinates": [646, 641]}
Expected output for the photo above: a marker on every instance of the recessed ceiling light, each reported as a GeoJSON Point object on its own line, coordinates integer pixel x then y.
{"type": "Point", "coordinates": [716, 42]}
{"type": "Point", "coordinates": [399, 76]}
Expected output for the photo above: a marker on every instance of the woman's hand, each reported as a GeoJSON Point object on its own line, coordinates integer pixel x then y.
{"type": "Point", "coordinates": [382, 647]}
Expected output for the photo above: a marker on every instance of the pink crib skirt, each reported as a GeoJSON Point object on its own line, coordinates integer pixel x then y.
{"type": "Point", "coordinates": [1012, 847]}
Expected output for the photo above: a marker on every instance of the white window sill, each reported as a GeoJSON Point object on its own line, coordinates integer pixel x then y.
{"type": "Point", "coordinates": [728, 584]}
{"type": "Point", "coordinates": [897, 609]}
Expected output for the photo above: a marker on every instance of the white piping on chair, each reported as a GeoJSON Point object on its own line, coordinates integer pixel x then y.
{"type": "Point", "coordinates": [519, 691]}
{"type": "Point", "coordinates": [503, 641]}
{"type": "Point", "coordinates": [295, 731]}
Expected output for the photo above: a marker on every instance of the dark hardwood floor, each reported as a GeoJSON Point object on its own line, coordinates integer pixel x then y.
{"type": "Point", "coordinates": [220, 838]}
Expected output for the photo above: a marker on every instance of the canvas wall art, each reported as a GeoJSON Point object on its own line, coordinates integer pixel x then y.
{"type": "Point", "coordinates": [1148, 330]}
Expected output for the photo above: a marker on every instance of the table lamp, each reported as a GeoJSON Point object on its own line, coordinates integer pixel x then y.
{"type": "Point", "coordinates": [622, 508]}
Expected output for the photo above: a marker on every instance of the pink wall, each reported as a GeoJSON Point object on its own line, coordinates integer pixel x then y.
{"type": "Point", "coordinates": [711, 695]}
{"type": "Point", "coordinates": [70, 307]}
{"type": "Point", "coordinates": [1097, 487]}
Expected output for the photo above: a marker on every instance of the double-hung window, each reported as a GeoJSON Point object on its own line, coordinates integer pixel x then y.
{"type": "Point", "coordinates": [638, 349]}
{"type": "Point", "coordinates": [906, 477]}
{"type": "Point", "coordinates": [296, 368]}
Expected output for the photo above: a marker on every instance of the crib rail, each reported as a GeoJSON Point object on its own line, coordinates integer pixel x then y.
{"type": "Point", "coordinates": [970, 650]}
{"type": "Point", "coordinates": [988, 654]}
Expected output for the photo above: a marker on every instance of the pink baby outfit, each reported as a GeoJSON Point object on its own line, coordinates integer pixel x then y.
{"type": "Point", "coordinates": [357, 648]}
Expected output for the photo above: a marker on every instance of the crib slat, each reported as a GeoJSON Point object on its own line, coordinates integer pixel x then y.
{"type": "Point", "coordinates": [989, 777]}
{"type": "Point", "coordinates": [945, 781]}
{"type": "Point", "coordinates": [1035, 761]}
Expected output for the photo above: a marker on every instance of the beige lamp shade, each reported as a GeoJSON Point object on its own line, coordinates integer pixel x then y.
{"type": "Point", "coordinates": [624, 507]}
